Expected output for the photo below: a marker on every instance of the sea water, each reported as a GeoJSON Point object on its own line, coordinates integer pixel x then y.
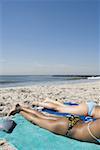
{"type": "Point", "coordinates": [24, 80]}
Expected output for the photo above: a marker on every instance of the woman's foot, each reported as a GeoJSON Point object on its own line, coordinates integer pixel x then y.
{"type": "Point", "coordinates": [15, 110]}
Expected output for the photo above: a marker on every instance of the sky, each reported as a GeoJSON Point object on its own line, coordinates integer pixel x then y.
{"type": "Point", "coordinates": [49, 37]}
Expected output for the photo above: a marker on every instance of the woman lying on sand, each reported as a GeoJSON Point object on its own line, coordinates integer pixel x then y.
{"type": "Point", "coordinates": [70, 127]}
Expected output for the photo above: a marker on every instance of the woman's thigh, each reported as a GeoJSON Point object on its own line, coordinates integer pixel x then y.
{"type": "Point", "coordinates": [80, 131]}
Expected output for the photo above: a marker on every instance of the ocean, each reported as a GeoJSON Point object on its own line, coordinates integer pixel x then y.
{"type": "Point", "coordinates": [25, 80]}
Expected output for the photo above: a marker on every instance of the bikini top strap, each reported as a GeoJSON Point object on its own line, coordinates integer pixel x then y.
{"type": "Point", "coordinates": [88, 127]}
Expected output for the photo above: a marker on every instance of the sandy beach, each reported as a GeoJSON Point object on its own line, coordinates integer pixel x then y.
{"type": "Point", "coordinates": [77, 92]}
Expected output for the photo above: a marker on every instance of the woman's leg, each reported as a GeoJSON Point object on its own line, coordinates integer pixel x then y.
{"type": "Point", "coordinates": [38, 114]}
{"type": "Point", "coordinates": [49, 105]}
{"type": "Point", "coordinates": [31, 111]}
{"type": "Point", "coordinates": [58, 126]}
{"type": "Point", "coordinates": [77, 109]}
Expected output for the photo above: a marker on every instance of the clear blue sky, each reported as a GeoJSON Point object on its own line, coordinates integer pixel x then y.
{"type": "Point", "coordinates": [49, 37]}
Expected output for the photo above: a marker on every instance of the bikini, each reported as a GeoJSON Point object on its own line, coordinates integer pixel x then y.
{"type": "Point", "coordinates": [91, 106]}
{"type": "Point", "coordinates": [74, 119]}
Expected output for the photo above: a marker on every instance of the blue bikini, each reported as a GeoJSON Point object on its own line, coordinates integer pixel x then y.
{"type": "Point", "coordinates": [91, 106]}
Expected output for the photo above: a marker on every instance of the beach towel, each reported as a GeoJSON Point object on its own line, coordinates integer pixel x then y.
{"type": "Point", "coordinates": [27, 136]}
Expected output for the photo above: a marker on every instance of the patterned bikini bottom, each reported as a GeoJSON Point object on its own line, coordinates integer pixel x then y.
{"type": "Point", "coordinates": [72, 121]}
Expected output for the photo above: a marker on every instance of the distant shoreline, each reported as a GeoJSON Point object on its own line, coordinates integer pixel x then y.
{"type": "Point", "coordinates": [28, 80]}
{"type": "Point", "coordinates": [86, 76]}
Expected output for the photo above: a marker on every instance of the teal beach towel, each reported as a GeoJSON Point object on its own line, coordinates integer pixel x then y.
{"type": "Point", "coordinates": [27, 136]}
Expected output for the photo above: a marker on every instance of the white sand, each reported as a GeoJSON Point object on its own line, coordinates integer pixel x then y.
{"type": "Point", "coordinates": [66, 92]}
